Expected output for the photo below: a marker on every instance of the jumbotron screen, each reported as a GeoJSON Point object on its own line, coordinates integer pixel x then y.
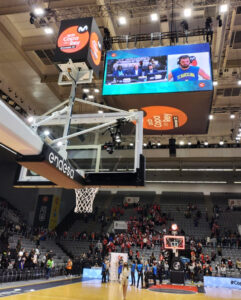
{"type": "Point", "coordinates": [184, 68]}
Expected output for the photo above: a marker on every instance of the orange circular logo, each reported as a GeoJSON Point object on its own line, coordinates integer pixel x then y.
{"type": "Point", "coordinates": [73, 39]}
{"type": "Point", "coordinates": [163, 118]}
{"type": "Point", "coordinates": [95, 48]}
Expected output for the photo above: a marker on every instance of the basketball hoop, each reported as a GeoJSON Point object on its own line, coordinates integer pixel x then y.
{"type": "Point", "coordinates": [84, 200]}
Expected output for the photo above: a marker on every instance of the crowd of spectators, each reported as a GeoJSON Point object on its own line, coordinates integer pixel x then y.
{"type": "Point", "coordinates": [145, 230]}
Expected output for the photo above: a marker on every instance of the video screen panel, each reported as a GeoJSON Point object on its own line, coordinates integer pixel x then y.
{"type": "Point", "coordinates": [184, 68]}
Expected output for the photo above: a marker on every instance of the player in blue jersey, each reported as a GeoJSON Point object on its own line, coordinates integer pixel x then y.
{"type": "Point", "coordinates": [186, 72]}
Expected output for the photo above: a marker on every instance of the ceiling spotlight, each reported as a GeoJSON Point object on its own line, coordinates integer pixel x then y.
{"type": "Point", "coordinates": [181, 143]}
{"type": "Point", "coordinates": [59, 144]}
{"type": "Point", "coordinates": [118, 138]}
{"type": "Point", "coordinates": [85, 90]}
{"type": "Point", "coordinates": [90, 97]}
{"type": "Point", "coordinates": [232, 116]}
{"type": "Point", "coordinates": [46, 132]}
{"type": "Point", "coordinates": [189, 143]}
{"type": "Point", "coordinates": [100, 111]}
{"type": "Point", "coordinates": [154, 17]}
{"type": "Point", "coordinates": [30, 119]}
{"type": "Point", "coordinates": [205, 143]}
{"type": "Point", "coordinates": [38, 11]}
{"type": "Point", "coordinates": [131, 144]}
{"type": "Point", "coordinates": [221, 143]}
{"type": "Point", "coordinates": [215, 83]}
{"type": "Point", "coordinates": [122, 20]}
{"type": "Point", "coordinates": [158, 144]}
{"type": "Point", "coordinates": [223, 8]}
{"type": "Point", "coordinates": [145, 144]}
{"type": "Point", "coordinates": [96, 91]}
{"type": "Point", "coordinates": [239, 82]}
{"type": "Point", "coordinates": [48, 30]}
{"type": "Point", "coordinates": [237, 138]}
{"type": "Point", "coordinates": [187, 12]}
{"type": "Point", "coordinates": [210, 117]}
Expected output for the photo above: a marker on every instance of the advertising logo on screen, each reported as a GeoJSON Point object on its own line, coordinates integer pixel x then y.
{"type": "Point", "coordinates": [163, 118]}
{"type": "Point", "coordinates": [73, 39]}
{"type": "Point", "coordinates": [95, 48]}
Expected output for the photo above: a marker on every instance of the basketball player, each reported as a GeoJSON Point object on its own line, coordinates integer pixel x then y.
{"type": "Point", "coordinates": [124, 279]}
{"type": "Point", "coordinates": [186, 72]}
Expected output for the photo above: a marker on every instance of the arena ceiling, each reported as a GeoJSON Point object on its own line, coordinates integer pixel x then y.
{"type": "Point", "coordinates": [29, 77]}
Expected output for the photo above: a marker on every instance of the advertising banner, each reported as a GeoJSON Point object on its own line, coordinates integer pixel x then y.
{"type": "Point", "coordinates": [114, 263]}
{"type": "Point", "coordinates": [120, 225]}
{"type": "Point", "coordinates": [222, 282]}
{"type": "Point", "coordinates": [42, 212]}
{"type": "Point", "coordinates": [131, 200]}
{"type": "Point", "coordinates": [234, 202]}
{"type": "Point", "coordinates": [54, 215]}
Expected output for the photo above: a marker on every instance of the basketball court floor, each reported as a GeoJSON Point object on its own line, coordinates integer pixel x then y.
{"type": "Point", "coordinates": [75, 289]}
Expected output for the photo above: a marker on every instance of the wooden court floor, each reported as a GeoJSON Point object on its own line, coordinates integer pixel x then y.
{"type": "Point", "coordinates": [93, 290]}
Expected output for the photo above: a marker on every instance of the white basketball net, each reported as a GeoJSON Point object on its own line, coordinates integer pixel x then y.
{"type": "Point", "coordinates": [84, 200]}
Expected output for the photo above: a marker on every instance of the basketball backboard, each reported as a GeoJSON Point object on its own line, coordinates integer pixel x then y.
{"type": "Point", "coordinates": [174, 242]}
{"type": "Point", "coordinates": [92, 153]}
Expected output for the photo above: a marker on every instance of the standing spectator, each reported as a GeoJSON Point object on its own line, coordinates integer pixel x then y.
{"type": "Point", "coordinates": [140, 273]}
{"type": "Point", "coordinates": [49, 267]}
{"type": "Point", "coordinates": [69, 266]}
{"type": "Point", "coordinates": [103, 272]}
{"type": "Point", "coordinates": [133, 268]}
{"type": "Point", "coordinates": [124, 279]}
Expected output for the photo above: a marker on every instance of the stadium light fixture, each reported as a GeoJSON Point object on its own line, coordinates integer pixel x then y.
{"type": "Point", "coordinates": [210, 117]}
{"type": "Point", "coordinates": [154, 17]}
{"type": "Point", "coordinates": [38, 11]}
{"type": "Point", "coordinates": [215, 83]}
{"type": "Point", "coordinates": [187, 12]}
{"type": "Point", "coordinates": [122, 20]}
{"type": "Point", "coordinates": [223, 8]}
{"type": "Point", "coordinates": [46, 132]}
{"type": "Point", "coordinates": [48, 30]}
{"type": "Point", "coordinates": [30, 119]}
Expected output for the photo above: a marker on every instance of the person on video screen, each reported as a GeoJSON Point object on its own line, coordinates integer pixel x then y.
{"type": "Point", "coordinates": [186, 71]}
{"type": "Point", "coordinates": [119, 72]}
{"type": "Point", "coordinates": [136, 71]}
{"type": "Point", "coordinates": [151, 71]}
